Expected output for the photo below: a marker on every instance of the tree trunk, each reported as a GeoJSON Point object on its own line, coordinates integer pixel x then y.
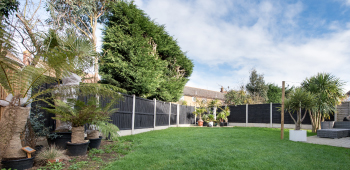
{"type": "Point", "coordinates": [78, 134]}
{"type": "Point", "coordinates": [11, 126]}
{"type": "Point", "coordinates": [94, 134]}
{"type": "Point", "coordinates": [297, 125]}
{"type": "Point", "coordinates": [312, 122]}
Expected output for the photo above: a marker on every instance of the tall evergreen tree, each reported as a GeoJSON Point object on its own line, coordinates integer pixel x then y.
{"type": "Point", "coordinates": [141, 57]}
{"type": "Point", "coordinates": [257, 87]}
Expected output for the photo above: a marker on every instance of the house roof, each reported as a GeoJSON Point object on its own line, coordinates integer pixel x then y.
{"type": "Point", "coordinates": [197, 92]}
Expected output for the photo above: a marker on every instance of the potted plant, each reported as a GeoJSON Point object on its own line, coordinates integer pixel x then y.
{"type": "Point", "coordinates": [211, 120]}
{"type": "Point", "coordinates": [214, 104]}
{"type": "Point", "coordinates": [51, 154]}
{"type": "Point", "coordinates": [198, 112]}
{"type": "Point", "coordinates": [49, 64]}
{"type": "Point", "coordinates": [222, 116]}
{"type": "Point", "coordinates": [79, 113]}
{"type": "Point", "coordinates": [205, 120]}
{"type": "Point", "coordinates": [298, 99]}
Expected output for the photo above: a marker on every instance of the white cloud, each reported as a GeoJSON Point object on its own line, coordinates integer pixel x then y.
{"type": "Point", "coordinates": [244, 35]}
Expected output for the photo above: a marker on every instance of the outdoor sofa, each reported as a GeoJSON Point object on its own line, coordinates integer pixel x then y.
{"type": "Point", "coordinates": [331, 129]}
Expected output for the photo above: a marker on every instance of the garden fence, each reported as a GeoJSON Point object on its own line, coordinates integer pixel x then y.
{"type": "Point", "coordinates": [263, 113]}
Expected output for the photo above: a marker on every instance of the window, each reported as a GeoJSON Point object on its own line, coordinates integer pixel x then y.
{"type": "Point", "coordinates": [204, 100]}
{"type": "Point", "coordinates": [194, 99]}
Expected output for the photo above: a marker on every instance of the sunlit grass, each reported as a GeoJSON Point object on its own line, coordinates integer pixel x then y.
{"type": "Point", "coordinates": [228, 148]}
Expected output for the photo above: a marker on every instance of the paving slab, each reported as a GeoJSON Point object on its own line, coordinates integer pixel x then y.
{"type": "Point", "coordinates": [341, 142]}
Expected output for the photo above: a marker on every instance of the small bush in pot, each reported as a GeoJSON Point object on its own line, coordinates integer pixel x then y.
{"type": "Point", "coordinates": [51, 154]}
{"type": "Point", "coordinates": [79, 114]}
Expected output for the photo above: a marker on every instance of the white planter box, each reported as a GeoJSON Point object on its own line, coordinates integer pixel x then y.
{"type": "Point", "coordinates": [211, 124]}
{"type": "Point", "coordinates": [297, 135]}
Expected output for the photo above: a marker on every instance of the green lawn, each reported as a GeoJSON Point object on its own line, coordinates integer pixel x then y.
{"type": "Point", "coordinates": [227, 148]}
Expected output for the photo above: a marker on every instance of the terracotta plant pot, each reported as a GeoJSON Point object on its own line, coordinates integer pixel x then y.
{"type": "Point", "coordinates": [200, 123]}
{"type": "Point", "coordinates": [54, 160]}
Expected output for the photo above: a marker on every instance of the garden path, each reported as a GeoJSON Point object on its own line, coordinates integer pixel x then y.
{"type": "Point", "coordinates": [341, 142]}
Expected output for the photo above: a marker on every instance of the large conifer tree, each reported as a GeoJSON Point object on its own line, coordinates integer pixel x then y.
{"type": "Point", "coordinates": [141, 57]}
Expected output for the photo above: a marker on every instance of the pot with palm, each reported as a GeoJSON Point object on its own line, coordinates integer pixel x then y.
{"type": "Point", "coordinates": [205, 120]}
{"type": "Point", "coordinates": [298, 99]}
{"type": "Point", "coordinates": [211, 120]}
{"type": "Point", "coordinates": [79, 114]}
{"type": "Point", "coordinates": [198, 112]}
{"type": "Point", "coordinates": [222, 116]}
{"type": "Point", "coordinates": [49, 64]}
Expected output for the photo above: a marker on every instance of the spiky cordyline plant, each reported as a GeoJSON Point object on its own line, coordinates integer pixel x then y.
{"type": "Point", "coordinates": [299, 99]}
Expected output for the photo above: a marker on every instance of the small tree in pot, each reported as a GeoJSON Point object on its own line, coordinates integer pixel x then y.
{"type": "Point", "coordinates": [79, 114]}
{"type": "Point", "coordinates": [299, 99]}
{"type": "Point", "coordinates": [222, 116]}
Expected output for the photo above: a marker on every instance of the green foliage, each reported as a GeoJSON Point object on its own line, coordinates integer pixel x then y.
{"type": "Point", "coordinates": [7, 7]}
{"type": "Point", "coordinates": [79, 165]}
{"type": "Point", "coordinates": [94, 151]}
{"type": "Point", "coordinates": [122, 147]}
{"type": "Point", "coordinates": [71, 55]}
{"type": "Point", "coordinates": [210, 117]}
{"type": "Point", "coordinates": [50, 153]}
{"type": "Point", "coordinates": [141, 57]}
{"type": "Point", "coordinates": [299, 99]}
{"type": "Point", "coordinates": [274, 93]}
{"type": "Point", "coordinates": [108, 129]}
{"type": "Point", "coordinates": [328, 91]}
{"type": "Point", "coordinates": [205, 118]}
{"type": "Point", "coordinates": [257, 87]}
{"type": "Point", "coordinates": [237, 97]}
{"type": "Point", "coordinates": [37, 120]}
{"type": "Point", "coordinates": [53, 166]}
{"type": "Point", "coordinates": [79, 113]}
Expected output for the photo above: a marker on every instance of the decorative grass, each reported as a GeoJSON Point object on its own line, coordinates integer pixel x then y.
{"type": "Point", "coordinates": [228, 148]}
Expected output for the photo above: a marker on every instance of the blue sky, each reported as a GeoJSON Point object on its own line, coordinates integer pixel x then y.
{"type": "Point", "coordinates": [284, 40]}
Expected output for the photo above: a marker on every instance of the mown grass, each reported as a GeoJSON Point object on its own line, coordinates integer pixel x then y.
{"type": "Point", "coordinates": [227, 148]}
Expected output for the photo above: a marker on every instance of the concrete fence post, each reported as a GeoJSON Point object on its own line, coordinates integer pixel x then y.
{"type": "Point", "coordinates": [271, 114]}
{"type": "Point", "coordinates": [246, 115]}
{"type": "Point", "coordinates": [155, 113]}
{"type": "Point", "coordinates": [178, 115]}
{"type": "Point", "coordinates": [133, 114]}
{"type": "Point", "coordinates": [169, 113]}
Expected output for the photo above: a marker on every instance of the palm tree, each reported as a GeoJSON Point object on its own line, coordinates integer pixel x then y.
{"type": "Point", "coordinates": [299, 99]}
{"type": "Point", "coordinates": [328, 93]}
{"type": "Point", "coordinates": [59, 57]}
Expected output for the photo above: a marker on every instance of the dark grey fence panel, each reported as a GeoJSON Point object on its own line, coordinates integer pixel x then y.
{"type": "Point", "coordinates": [186, 115]}
{"type": "Point", "coordinates": [144, 113]}
{"type": "Point", "coordinates": [259, 113]}
{"type": "Point", "coordinates": [162, 117]}
{"type": "Point", "coordinates": [237, 114]}
{"type": "Point", "coordinates": [36, 107]}
{"type": "Point", "coordinates": [122, 117]}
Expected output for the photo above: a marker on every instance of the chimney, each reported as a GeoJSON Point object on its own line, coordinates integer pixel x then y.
{"type": "Point", "coordinates": [222, 89]}
{"type": "Point", "coordinates": [26, 58]}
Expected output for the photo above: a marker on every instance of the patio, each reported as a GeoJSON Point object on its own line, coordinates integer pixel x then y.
{"type": "Point", "coordinates": [341, 142]}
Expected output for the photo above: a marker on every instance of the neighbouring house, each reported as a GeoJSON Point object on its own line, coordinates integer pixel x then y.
{"type": "Point", "coordinates": [192, 94]}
